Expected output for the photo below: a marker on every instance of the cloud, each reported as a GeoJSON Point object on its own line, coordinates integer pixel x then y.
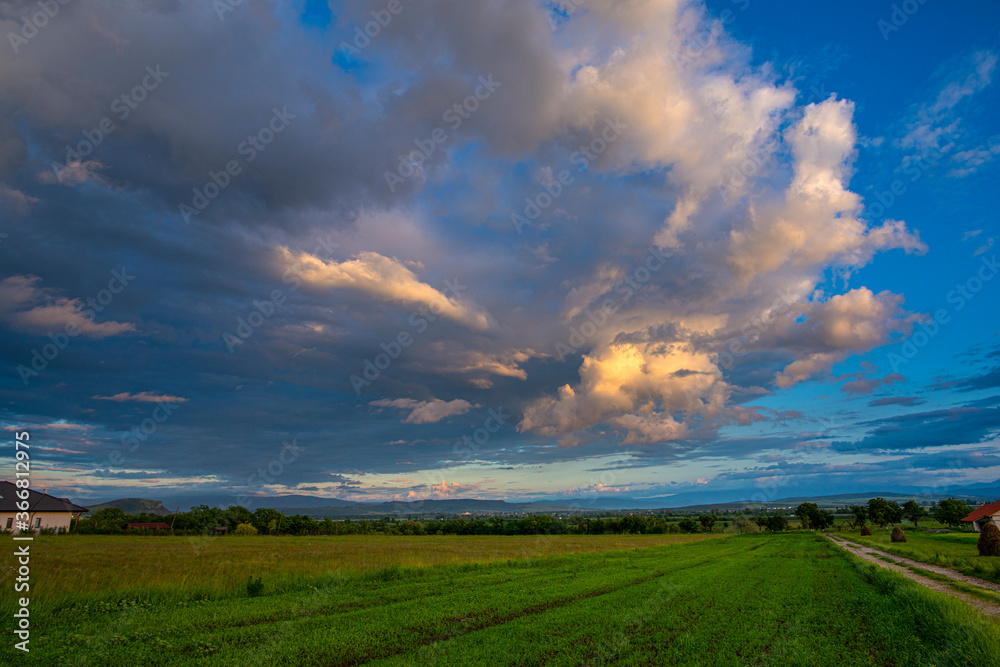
{"type": "Point", "coordinates": [866, 385]}
{"type": "Point", "coordinates": [382, 278]}
{"type": "Point", "coordinates": [831, 330]}
{"type": "Point", "coordinates": [25, 306]}
{"type": "Point", "coordinates": [818, 223]}
{"type": "Point", "coordinates": [16, 198]}
{"type": "Point", "coordinates": [142, 397]}
{"type": "Point", "coordinates": [426, 412]}
{"type": "Point", "coordinates": [908, 401]}
{"type": "Point", "coordinates": [935, 428]}
{"type": "Point", "coordinates": [934, 126]}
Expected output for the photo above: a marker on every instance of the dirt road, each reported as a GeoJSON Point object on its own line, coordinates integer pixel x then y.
{"type": "Point", "coordinates": [900, 565]}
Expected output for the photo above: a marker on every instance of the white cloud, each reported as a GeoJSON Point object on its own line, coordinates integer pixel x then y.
{"type": "Point", "coordinates": [818, 222]}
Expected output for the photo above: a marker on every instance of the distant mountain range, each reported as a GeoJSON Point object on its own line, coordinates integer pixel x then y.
{"type": "Point", "coordinates": [318, 506]}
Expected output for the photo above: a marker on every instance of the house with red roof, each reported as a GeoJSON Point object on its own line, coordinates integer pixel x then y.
{"type": "Point", "coordinates": [983, 515]}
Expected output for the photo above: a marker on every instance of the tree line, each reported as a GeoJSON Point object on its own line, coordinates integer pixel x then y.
{"type": "Point", "coordinates": [266, 521]}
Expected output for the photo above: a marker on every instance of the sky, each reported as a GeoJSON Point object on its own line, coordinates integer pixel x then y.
{"type": "Point", "coordinates": [519, 249]}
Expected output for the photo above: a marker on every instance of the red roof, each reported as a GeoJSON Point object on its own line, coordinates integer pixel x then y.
{"type": "Point", "coordinates": [985, 510]}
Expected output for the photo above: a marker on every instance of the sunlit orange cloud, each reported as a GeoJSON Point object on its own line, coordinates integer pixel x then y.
{"type": "Point", "coordinates": [704, 480]}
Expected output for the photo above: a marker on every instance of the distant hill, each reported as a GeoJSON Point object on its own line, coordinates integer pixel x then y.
{"type": "Point", "coordinates": [133, 506]}
{"type": "Point", "coordinates": [700, 501]}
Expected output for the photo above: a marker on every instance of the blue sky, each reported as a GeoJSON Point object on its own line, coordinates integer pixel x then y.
{"type": "Point", "coordinates": [515, 250]}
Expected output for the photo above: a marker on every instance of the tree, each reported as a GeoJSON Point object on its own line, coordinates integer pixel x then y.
{"type": "Point", "coordinates": [882, 512]}
{"type": "Point", "coordinates": [109, 519]}
{"type": "Point", "coordinates": [263, 517]}
{"type": "Point", "coordinates": [914, 511]}
{"type": "Point", "coordinates": [707, 521]}
{"type": "Point", "coordinates": [813, 517]}
{"type": "Point", "coordinates": [859, 514]}
{"type": "Point", "coordinates": [806, 512]}
{"type": "Point", "coordinates": [777, 523]}
{"type": "Point", "coordinates": [688, 525]}
{"type": "Point", "coordinates": [950, 511]}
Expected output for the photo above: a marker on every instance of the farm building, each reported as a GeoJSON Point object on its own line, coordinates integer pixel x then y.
{"type": "Point", "coordinates": [44, 511]}
{"type": "Point", "coordinates": [983, 515]}
{"type": "Point", "coordinates": [149, 526]}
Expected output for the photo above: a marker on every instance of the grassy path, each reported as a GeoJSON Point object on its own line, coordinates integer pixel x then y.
{"type": "Point", "coordinates": [905, 566]}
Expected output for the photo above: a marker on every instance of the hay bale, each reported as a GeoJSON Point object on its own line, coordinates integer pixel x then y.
{"type": "Point", "coordinates": [865, 530]}
{"type": "Point", "coordinates": [989, 540]}
{"type": "Point", "coordinates": [897, 535]}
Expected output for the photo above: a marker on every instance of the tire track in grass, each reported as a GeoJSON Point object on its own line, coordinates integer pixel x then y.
{"type": "Point", "coordinates": [503, 620]}
{"type": "Point", "coordinates": [615, 628]}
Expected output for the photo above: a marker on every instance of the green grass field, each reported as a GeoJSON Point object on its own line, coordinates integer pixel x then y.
{"type": "Point", "coordinates": [118, 566]}
{"type": "Point", "coordinates": [955, 550]}
{"type": "Point", "coordinates": [785, 599]}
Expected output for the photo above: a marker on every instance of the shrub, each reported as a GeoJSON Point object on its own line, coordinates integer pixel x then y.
{"type": "Point", "coordinates": [989, 540]}
{"type": "Point", "coordinates": [865, 530]}
{"type": "Point", "coordinates": [897, 534]}
{"type": "Point", "coordinates": [255, 586]}
{"type": "Point", "coordinates": [245, 529]}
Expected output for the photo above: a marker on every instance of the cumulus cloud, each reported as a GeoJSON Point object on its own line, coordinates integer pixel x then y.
{"type": "Point", "coordinates": [426, 412]}
{"type": "Point", "coordinates": [818, 221]}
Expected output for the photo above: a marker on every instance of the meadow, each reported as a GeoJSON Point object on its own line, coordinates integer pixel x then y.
{"type": "Point", "coordinates": [762, 599]}
{"type": "Point", "coordinates": [956, 550]}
